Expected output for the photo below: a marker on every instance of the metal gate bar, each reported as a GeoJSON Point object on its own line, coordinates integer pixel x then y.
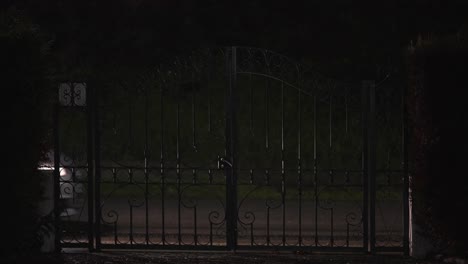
{"type": "Point", "coordinates": [231, 150]}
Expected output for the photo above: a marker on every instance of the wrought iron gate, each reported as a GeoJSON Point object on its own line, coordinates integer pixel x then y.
{"type": "Point", "coordinates": [233, 149]}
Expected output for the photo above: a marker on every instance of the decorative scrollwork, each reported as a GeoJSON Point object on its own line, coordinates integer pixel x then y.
{"type": "Point", "coordinates": [66, 188]}
{"type": "Point", "coordinates": [248, 218]}
{"type": "Point", "coordinates": [221, 229]}
{"type": "Point", "coordinates": [135, 202]}
{"type": "Point", "coordinates": [112, 217]}
{"type": "Point", "coordinates": [188, 202]}
{"type": "Point", "coordinates": [352, 219]}
{"type": "Point", "coordinates": [214, 218]}
{"type": "Point", "coordinates": [272, 204]}
{"type": "Point", "coordinates": [72, 94]}
{"type": "Point", "coordinates": [328, 203]}
{"type": "Point", "coordinates": [245, 198]}
{"type": "Point", "coordinates": [78, 94]}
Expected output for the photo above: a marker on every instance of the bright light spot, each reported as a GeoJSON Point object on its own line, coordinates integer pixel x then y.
{"type": "Point", "coordinates": [63, 172]}
{"type": "Point", "coordinates": [45, 168]}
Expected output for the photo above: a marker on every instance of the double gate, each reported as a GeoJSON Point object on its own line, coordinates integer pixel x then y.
{"type": "Point", "coordinates": [231, 149]}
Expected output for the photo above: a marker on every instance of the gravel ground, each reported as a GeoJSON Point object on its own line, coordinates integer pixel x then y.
{"type": "Point", "coordinates": [212, 258]}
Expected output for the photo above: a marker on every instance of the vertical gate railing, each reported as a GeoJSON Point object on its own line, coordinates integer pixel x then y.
{"type": "Point", "coordinates": [96, 135]}
{"type": "Point", "coordinates": [369, 155]}
{"type": "Point", "coordinates": [231, 149]}
{"type": "Point", "coordinates": [91, 112]}
{"type": "Point", "coordinates": [57, 212]}
{"type": "Point", "coordinates": [405, 167]}
{"type": "Point", "coordinates": [365, 165]}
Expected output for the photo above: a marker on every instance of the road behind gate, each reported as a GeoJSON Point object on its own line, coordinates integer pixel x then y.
{"type": "Point", "coordinates": [121, 257]}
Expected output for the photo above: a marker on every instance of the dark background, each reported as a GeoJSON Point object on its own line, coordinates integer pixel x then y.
{"type": "Point", "coordinates": [348, 40]}
{"type": "Point", "coordinates": [342, 38]}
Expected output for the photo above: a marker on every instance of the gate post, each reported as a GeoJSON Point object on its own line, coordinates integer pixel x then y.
{"type": "Point", "coordinates": [406, 183]}
{"type": "Point", "coordinates": [365, 160]}
{"type": "Point", "coordinates": [90, 161]}
{"type": "Point", "coordinates": [372, 165]}
{"type": "Point", "coordinates": [97, 167]}
{"type": "Point", "coordinates": [369, 164]}
{"type": "Point", "coordinates": [231, 150]}
{"type": "Point", "coordinates": [57, 205]}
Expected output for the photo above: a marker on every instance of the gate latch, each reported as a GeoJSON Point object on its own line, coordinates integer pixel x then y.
{"type": "Point", "coordinates": [223, 162]}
